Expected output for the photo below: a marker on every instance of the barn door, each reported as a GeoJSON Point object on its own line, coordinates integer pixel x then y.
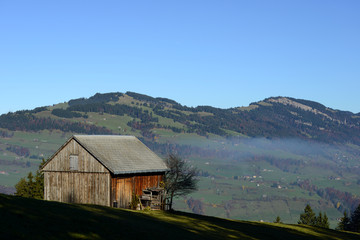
{"type": "Point", "coordinates": [123, 191]}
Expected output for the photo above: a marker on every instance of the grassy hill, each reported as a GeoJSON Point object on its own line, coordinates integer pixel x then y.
{"type": "Point", "coordinates": [270, 158]}
{"type": "Point", "coordinates": [23, 218]}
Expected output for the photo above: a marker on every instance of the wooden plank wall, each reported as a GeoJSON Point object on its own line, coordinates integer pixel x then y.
{"type": "Point", "coordinates": [77, 187]}
{"type": "Point", "coordinates": [87, 163]}
{"type": "Point", "coordinates": [89, 184]}
{"type": "Point", "coordinates": [122, 187]}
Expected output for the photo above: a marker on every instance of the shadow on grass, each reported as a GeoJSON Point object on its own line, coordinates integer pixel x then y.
{"type": "Point", "coordinates": [22, 218]}
{"type": "Point", "coordinates": [257, 230]}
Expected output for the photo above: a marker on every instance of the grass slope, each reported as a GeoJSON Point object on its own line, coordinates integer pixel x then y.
{"type": "Point", "coordinates": [22, 218]}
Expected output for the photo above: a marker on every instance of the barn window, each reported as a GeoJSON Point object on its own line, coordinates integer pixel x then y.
{"type": "Point", "coordinates": [74, 163]}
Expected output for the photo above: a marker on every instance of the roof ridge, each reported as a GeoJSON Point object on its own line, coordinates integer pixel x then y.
{"type": "Point", "coordinates": [123, 136]}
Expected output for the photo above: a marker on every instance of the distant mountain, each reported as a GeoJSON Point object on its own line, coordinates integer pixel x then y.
{"type": "Point", "coordinates": [270, 158]}
{"type": "Point", "coordinates": [275, 117]}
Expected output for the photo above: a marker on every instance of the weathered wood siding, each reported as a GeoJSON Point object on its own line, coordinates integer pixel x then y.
{"type": "Point", "coordinates": [123, 186]}
{"type": "Point", "coordinates": [77, 187]}
{"type": "Point", "coordinates": [86, 162]}
{"type": "Point", "coordinates": [90, 183]}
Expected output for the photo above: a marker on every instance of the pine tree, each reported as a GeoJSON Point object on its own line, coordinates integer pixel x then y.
{"type": "Point", "coordinates": [325, 222]}
{"type": "Point", "coordinates": [308, 217]}
{"type": "Point", "coordinates": [38, 190]}
{"type": "Point", "coordinates": [31, 187]}
{"type": "Point", "coordinates": [22, 188]}
{"type": "Point", "coordinates": [278, 220]}
{"type": "Point", "coordinates": [355, 220]}
{"type": "Point", "coordinates": [344, 223]}
{"type": "Point", "coordinates": [322, 221]}
{"type": "Point", "coordinates": [319, 220]}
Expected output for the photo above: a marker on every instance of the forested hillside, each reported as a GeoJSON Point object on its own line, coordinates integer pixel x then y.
{"type": "Point", "coordinates": [274, 117]}
{"type": "Point", "coordinates": [269, 158]}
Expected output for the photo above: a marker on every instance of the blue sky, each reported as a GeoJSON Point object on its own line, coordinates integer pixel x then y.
{"type": "Point", "coordinates": [218, 53]}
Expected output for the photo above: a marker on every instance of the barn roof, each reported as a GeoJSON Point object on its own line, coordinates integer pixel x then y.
{"type": "Point", "coordinates": [122, 154]}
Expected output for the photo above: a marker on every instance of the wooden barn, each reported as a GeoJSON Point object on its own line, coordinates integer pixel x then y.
{"type": "Point", "coordinates": [101, 169]}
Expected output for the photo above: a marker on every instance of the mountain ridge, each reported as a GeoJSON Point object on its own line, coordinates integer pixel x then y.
{"type": "Point", "coordinates": [275, 116]}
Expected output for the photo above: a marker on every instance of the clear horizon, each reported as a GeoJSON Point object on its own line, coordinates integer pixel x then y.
{"type": "Point", "coordinates": [222, 54]}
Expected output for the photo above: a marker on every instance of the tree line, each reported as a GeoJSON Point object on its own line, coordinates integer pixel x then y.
{"type": "Point", "coordinates": [28, 122]}
{"type": "Point", "coordinates": [18, 150]}
{"type": "Point", "coordinates": [32, 186]}
{"type": "Point", "coordinates": [347, 223]}
{"type": "Point", "coordinates": [116, 109]}
{"type": "Point", "coordinates": [6, 134]}
{"type": "Point", "coordinates": [309, 218]}
{"type": "Point", "coordinates": [59, 112]}
{"type": "Point", "coordinates": [97, 98]}
{"type": "Point", "coordinates": [347, 200]}
{"type": "Point", "coordinates": [351, 223]}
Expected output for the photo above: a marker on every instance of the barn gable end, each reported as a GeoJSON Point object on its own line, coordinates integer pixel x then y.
{"type": "Point", "coordinates": [86, 161]}
{"type": "Point", "coordinates": [89, 183]}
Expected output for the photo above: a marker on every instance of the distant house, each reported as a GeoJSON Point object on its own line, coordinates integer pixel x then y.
{"type": "Point", "coordinates": [103, 170]}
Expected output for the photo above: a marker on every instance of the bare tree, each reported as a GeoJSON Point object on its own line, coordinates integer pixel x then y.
{"type": "Point", "coordinates": [181, 178]}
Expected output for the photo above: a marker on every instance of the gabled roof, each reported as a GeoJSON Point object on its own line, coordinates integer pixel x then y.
{"type": "Point", "coordinates": [121, 154]}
